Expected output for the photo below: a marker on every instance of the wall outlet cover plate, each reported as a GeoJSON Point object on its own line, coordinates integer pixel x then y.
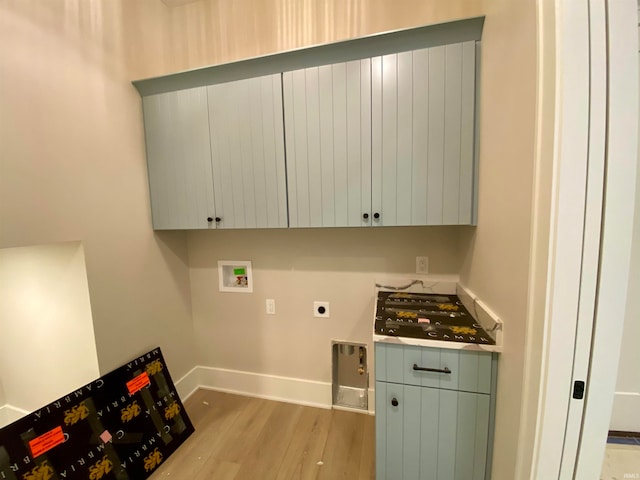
{"type": "Point", "coordinates": [321, 309]}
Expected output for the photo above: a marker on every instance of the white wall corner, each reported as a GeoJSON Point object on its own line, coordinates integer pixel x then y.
{"type": "Point", "coordinates": [624, 415]}
{"type": "Point", "coordinates": [188, 384]}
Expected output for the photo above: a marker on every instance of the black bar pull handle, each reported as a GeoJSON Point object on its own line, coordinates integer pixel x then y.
{"type": "Point", "coordinates": [438, 370]}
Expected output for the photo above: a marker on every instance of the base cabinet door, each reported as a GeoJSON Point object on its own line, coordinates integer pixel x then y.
{"type": "Point", "coordinates": [430, 434]}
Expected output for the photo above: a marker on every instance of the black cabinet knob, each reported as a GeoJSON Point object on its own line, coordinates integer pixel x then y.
{"type": "Point", "coordinates": [376, 215]}
{"type": "Point", "coordinates": [365, 216]}
{"type": "Point", "coordinates": [209, 219]}
{"type": "Point", "coordinates": [218, 219]}
{"type": "Point", "coordinates": [394, 402]}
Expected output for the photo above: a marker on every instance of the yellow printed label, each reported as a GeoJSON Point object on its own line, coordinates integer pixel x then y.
{"type": "Point", "coordinates": [44, 471]}
{"type": "Point", "coordinates": [448, 306]}
{"type": "Point", "coordinates": [101, 468]}
{"type": "Point", "coordinates": [130, 412]}
{"type": "Point", "coordinates": [152, 460]}
{"type": "Point", "coordinates": [464, 330]}
{"type": "Point", "coordinates": [77, 413]}
{"type": "Point", "coordinates": [171, 411]}
{"type": "Point", "coordinates": [154, 367]}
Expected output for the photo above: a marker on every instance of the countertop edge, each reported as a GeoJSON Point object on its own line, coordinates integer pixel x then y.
{"type": "Point", "coordinates": [424, 342]}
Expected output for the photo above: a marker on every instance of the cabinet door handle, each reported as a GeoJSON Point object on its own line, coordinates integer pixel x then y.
{"type": "Point", "coordinates": [218, 219]}
{"type": "Point", "coordinates": [209, 219]}
{"type": "Point", "coordinates": [394, 402]}
{"type": "Point", "coordinates": [438, 370]}
{"type": "Point", "coordinates": [376, 215]}
{"type": "Point", "coordinates": [365, 216]}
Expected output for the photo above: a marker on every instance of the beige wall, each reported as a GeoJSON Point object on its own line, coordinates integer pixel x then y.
{"type": "Point", "coordinates": [48, 346]}
{"type": "Point", "coordinates": [295, 268]}
{"type": "Point", "coordinates": [493, 259]}
{"type": "Point", "coordinates": [162, 40]}
{"type": "Point", "coordinates": [72, 168]}
{"type": "Point", "coordinates": [540, 229]}
{"type": "Point", "coordinates": [496, 264]}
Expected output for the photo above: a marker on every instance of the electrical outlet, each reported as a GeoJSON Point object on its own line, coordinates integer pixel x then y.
{"type": "Point", "coordinates": [271, 306]}
{"type": "Point", "coordinates": [422, 265]}
{"type": "Point", "coordinates": [321, 309]}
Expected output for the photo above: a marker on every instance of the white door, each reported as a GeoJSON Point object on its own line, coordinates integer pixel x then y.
{"type": "Point", "coordinates": [617, 226]}
{"type": "Point", "coordinates": [626, 403]}
{"type": "Point", "coordinates": [592, 210]}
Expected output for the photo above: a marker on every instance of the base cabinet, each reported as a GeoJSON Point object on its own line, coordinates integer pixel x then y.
{"type": "Point", "coordinates": [432, 433]}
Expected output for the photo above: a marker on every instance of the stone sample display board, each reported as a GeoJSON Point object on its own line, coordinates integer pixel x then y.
{"type": "Point", "coordinates": [121, 426]}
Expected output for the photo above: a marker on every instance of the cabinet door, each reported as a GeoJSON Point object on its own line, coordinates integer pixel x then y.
{"type": "Point", "coordinates": [423, 105]}
{"type": "Point", "coordinates": [179, 159]}
{"type": "Point", "coordinates": [247, 151]}
{"type": "Point", "coordinates": [430, 434]}
{"type": "Point", "coordinates": [328, 143]}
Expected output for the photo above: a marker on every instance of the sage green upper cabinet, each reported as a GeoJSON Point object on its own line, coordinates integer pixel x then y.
{"type": "Point", "coordinates": [179, 159]}
{"type": "Point", "coordinates": [247, 153]}
{"type": "Point", "coordinates": [384, 141]}
{"type": "Point", "coordinates": [215, 156]}
{"type": "Point", "coordinates": [373, 131]}
{"type": "Point", "coordinates": [328, 143]}
{"type": "Point", "coordinates": [423, 117]}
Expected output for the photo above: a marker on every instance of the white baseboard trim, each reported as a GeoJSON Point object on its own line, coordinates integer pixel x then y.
{"type": "Point", "coordinates": [352, 410]}
{"type": "Point", "coordinates": [270, 387]}
{"type": "Point", "coordinates": [188, 384]}
{"type": "Point", "coordinates": [624, 415]}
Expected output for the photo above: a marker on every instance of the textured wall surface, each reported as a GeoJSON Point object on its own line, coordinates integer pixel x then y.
{"type": "Point", "coordinates": [72, 168]}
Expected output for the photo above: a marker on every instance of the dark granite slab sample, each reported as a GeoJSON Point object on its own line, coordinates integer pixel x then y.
{"type": "Point", "coordinates": [121, 426]}
{"type": "Point", "coordinates": [427, 316]}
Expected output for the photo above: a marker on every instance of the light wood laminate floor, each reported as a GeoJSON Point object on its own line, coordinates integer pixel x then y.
{"type": "Point", "coordinates": [621, 462]}
{"type": "Point", "coordinates": [239, 438]}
